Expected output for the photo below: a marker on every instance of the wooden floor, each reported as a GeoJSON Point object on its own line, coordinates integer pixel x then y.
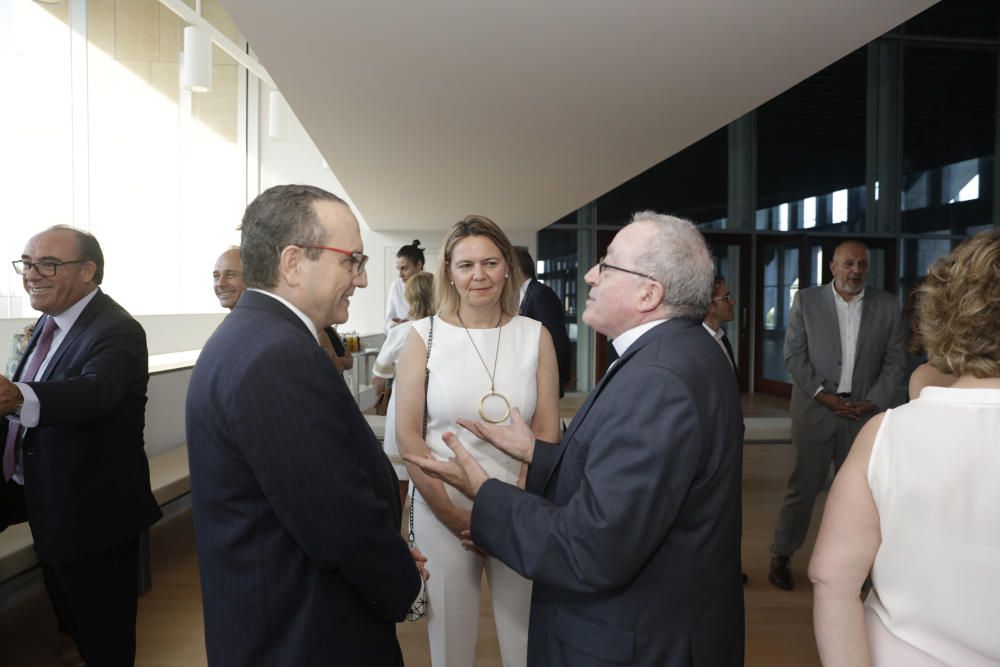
{"type": "Point", "coordinates": [170, 631]}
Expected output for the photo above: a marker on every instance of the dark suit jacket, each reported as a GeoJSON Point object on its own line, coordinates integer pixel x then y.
{"type": "Point", "coordinates": [542, 304]}
{"type": "Point", "coordinates": [86, 476]}
{"type": "Point", "coordinates": [630, 526]}
{"type": "Point", "coordinates": [296, 507]}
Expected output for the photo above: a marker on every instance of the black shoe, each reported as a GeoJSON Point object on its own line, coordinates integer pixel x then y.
{"type": "Point", "coordinates": [781, 573]}
{"type": "Point", "coordinates": [746, 579]}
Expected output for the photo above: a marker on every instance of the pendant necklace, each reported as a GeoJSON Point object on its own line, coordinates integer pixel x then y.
{"type": "Point", "coordinates": [493, 375]}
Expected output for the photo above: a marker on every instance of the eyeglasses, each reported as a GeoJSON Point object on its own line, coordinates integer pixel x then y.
{"type": "Point", "coordinates": [358, 260]}
{"type": "Point", "coordinates": [602, 265]}
{"type": "Point", "coordinates": [44, 269]}
{"type": "Point", "coordinates": [728, 296]}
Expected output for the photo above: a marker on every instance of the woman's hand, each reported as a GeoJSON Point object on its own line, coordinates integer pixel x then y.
{"type": "Point", "coordinates": [457, 520]}
{"type": "Point", "coordinates": [469, 545]}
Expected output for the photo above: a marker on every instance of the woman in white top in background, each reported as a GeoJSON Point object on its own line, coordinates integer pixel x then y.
{"type": "Point", "coordinates": [419, 294]}
{"type": "Point", "coordinates": [485, 361]}
{"type": "Point", "coordinates": [409, 262]}
{"type": "Point", "coordinates": [917, 502]}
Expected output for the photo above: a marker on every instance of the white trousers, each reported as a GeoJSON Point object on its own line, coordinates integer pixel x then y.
{"type": "Point", "coordinates": [454, 591]}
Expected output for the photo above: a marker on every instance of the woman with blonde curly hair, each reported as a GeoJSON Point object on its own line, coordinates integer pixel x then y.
{"type": "Point", "coordinates": [917, 503]}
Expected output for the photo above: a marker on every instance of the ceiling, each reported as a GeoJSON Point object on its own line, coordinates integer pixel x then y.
{"type": "Point", "coordinates": [525, 110]}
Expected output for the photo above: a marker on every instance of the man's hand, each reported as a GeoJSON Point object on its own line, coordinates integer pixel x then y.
{"type": "Point", "coordinates": [837, 405]}
{"type": "Point", "coordinates": [460, 471]}
{"type": "Point", "coordinates": [515, 440]}
{"type": "Point", "coordinates": [10, 397]}
{"type": "Point", "coordinates": [420, 561]}
{"type": "Point", "coordinates": [862, 408]}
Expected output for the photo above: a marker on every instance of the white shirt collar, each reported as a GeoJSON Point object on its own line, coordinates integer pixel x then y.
{"type": "Point", "coordinates": [716, 334]}
{"type": "Point", "coordinates": [623, 342]}
{"type": "Point", "coordinates": [67, 318]}
{"type": "Point", "coordinates": [288, 304]}
{"type": "Point", "coordinates": [524, 290]}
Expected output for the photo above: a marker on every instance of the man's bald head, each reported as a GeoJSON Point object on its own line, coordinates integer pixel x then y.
{"type": "Point", "coordinates": [228, 278]}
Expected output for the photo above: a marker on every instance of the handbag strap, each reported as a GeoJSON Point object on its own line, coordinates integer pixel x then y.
{"type": "Point", "coordinates": [423, 432]}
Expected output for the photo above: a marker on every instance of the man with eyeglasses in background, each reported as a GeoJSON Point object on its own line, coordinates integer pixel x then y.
{"type": "Point", "coordinates": [720, 311]}
{"type": "Point", "coordinates": [296, 507]}
{"type": "Point", "coordinates": [629, 528]}
{"type": "Point", "coordinates": [74, 466]}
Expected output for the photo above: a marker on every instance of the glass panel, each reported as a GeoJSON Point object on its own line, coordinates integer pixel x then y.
{"type": "Point", "coordinates": [36, 155]}
{"type": "Point", "coordinates": [811, 152]}
{"type": "Point", "coordinates": [691, 184]}
{"type": "Point", "coordinates": [161, 156]}
{"type": "Point", "coordinates": [780, 283]}
{"type": "Point", "coordinates": [947, 185]}
{"type": "Point", "coordinates": [558, 267]}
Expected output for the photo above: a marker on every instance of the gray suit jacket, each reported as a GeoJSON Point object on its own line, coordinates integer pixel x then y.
{"type": "Point", "coordinates": [813, 354]}
{"type": "Point", "coordinates": [630, 526]}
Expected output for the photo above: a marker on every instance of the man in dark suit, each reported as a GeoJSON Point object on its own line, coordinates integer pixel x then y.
{"type": "Point", "coordinates": [720, 311]}
{"type": "Point", "coordinates": [844, 350]}
{"type": "Point", "coordinates": [630, 526]}
{"type": "Point", "coordinates": [540, 302]}
{"type": "Point", "coordinates": [296, 507]}
{"type": "Point", "coordinates": [74, 464]}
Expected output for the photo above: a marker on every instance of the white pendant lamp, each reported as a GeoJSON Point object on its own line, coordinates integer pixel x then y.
{"type": "Point", "coordinates": [196, 72]}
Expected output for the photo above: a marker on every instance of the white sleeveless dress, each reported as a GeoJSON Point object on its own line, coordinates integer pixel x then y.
{"type": "Point", "coordinates": [934, 473]}
{"type": "Point", "coordinates": [457, 382]}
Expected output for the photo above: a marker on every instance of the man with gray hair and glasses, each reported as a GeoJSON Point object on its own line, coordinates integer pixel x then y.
{"type": "Point", "coordinates": [74, 466]}
{"type": "Point", "coordinates": [630, 526]}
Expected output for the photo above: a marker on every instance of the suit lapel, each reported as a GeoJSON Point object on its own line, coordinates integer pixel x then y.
{"type": "Point", "coordinates": [830, 306]}
{"type": "Point", "coordinates": [869, 311]}
{"type": "Point", "coordinates": [86, 317]}
{"type": "Point", "coordinates": [581, 414]}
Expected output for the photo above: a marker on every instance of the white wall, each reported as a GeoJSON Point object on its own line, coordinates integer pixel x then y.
{"type": "Point", "coordinates": [296, 159]}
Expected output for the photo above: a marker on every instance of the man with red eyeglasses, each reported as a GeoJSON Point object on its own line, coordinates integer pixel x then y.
{"type": "Point", "coordinates": [296, 507]}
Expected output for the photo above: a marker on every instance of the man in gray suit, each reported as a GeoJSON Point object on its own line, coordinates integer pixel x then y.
{"type": "Point", "coordinates": [630, 526]}
{"type": "Point", "coordinates": [844, 350]}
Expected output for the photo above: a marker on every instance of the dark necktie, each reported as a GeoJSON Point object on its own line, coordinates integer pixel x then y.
{"type": "Point", "coordinates": [28, 374]}
{"type": "Point", "coordinates": [732, 358]}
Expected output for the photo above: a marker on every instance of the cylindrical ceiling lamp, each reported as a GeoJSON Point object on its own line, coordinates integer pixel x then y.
{"type": "Point", "coordinates": [323, 164]}
{"type": "Point", "coordinates": [277, 116]}
{"type": "Point", "coordinates": [196, 72]}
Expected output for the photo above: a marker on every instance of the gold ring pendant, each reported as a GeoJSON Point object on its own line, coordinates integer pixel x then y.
{"type": "Point", "coordinates": [482, 411]}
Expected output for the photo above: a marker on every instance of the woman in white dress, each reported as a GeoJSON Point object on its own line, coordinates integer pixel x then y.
{"type": "Point", "coordinates": [409, 262]}
{"type": "Point", "coordinates": [419, 294]}
{"type": "Point", "coordinates": [917, 503]}
{"type": "Point", "coordinates": [484, 362]}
